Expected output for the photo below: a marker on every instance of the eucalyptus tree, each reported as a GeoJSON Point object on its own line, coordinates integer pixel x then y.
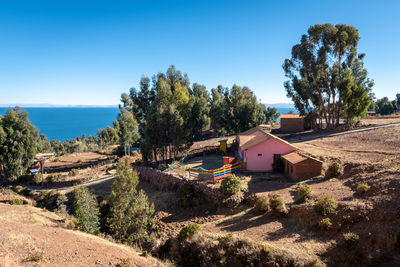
{"type": "Point", "coordinates": [200, 110]}
{"type": "Point", "coordinates": [127, 129]}
{"type": "Point", "coordinates": [271, 115]}
{"type": "Point", "coordinates": [18, 144]}
{"type": "Point", "coordinates": [326, 74]}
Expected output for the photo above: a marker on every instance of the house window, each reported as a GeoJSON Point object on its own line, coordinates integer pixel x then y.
{"type": "Point", "coordinates": [260, 155]}
{"type": "Point", "coordinates": [291, 169]}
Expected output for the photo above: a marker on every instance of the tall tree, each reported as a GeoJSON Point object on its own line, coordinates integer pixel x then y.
{"type": "Point", "coordinates": [86, 210]}
{"type": "Point", "coordinates": [127, 129]}
{"type": "Point", "coordinates": [218, 110]}
{"type": "Point", "coordinates": [322, 75]}
{"type": "Point", "coordinates": [19, 143]}
{"type": "Point", "coordinates": [131, 217]}
{"type": "Point", "coordinates": [271, 115]}
{"type": "Point", "coordinates": [107, 136]}
{"type": "Point", "coordinates": [199, 104]}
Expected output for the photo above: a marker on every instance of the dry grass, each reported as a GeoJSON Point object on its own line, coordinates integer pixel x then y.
{"type": "Point", "coordinates": [378, 146]}
{"type": "Point", "coordinates": [26, 230]}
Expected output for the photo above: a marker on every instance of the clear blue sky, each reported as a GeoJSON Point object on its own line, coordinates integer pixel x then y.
{"type": "Point", "coordinates": [89, 52]}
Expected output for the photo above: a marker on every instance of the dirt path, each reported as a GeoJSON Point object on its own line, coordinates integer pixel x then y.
{"type": "Point", "coordinates": [39, 189]}
{"type": "Point", "coordinates": [322, 135]}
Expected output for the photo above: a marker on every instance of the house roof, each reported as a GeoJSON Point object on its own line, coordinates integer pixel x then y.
{"type": "Point", "coordinates": [291, 116]}
{"type": "Point", "coordinates": [294, 157]}
{"type": "Point", "coordinates": [254, 136]}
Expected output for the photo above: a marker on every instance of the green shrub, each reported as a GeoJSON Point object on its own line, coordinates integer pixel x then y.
{"type": "Point", "coordinates": [61, 203]}
{"type": "Point", "coordinates": [315, 263]}
{"type": "Point", "coordinates": [162, 167]}
{"type": "Point", "coordinates": [325, 205]}
{"type": "Point", "coordinates": [277, 204]}
{"type": "Point", "coordinates": [335, 169]}
{"type": "Point", "coordinates": [189, 196]}
{"type": "Point", "coordinates": [53, 178]}
{"type": "Point", "coordinates": [37, 178]}
{"type": "Point", "coordinates": [86, 210]}
{"type": "Point", "coordinates": [231, 185]}
{"type": "Point", "coordinates": [362, 188]}
{"type": "Point", "coordinates": [37, 256]}
{"type": "Point", "coordinates": [304, 192]}
{"type": "Point", "coordinates": [124, 263]}
{"type": "Point", "coordinates": [20, 189]}
{"type": "Point", "coordinates": [16, 201]}
{"type": "Point", "coordinates": [325, 224]}
{"type": "Point", "coordinates": [262, 204]}
{"type": "Point", "coordinates": [74, 172]}
{"type": "Point", "coordinates": [188, 231]}
{"type": "Point", "coordinates": [79, 161]}
{"type": "Point", "coordinates": [351, 238]}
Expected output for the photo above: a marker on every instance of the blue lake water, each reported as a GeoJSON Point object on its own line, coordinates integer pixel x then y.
{"type": "Point", "coordinates": [69, 122]}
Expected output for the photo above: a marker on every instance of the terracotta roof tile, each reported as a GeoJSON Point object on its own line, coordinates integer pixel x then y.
{"type": "Point", "coordinates": [291, 116]}
{"type": "Point", "coordinates": [295, 157]}
{"type": "Point", "coordinates": [254, 136]}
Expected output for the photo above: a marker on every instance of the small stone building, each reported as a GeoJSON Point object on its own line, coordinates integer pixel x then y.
{"type": "Point", "coordinates": [292, 123]}
{"type": "Point", "coordinates": [299, 167]}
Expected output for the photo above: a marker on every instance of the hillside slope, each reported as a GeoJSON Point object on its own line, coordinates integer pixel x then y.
{"type": "Point", "coordinates": [27, 231]}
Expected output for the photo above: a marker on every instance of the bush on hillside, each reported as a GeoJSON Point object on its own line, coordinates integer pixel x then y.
{"type": "Point", "coordinates": [86, 210]}
{"type": "Point", "coordinates": [335, 169]}
{"type": "Point", "coordinates": [162, 167]}
{"type": "Point", "coordinates": [304, 192]}
{"type": "Point", "coordinates": [188, 231]}
{"type": "Point", "coordinates": [362, 188]}
{"type": "Point", "coordinates": [53, 178]}
{"type": "Point", "coordinates": [277, 204]}
{"type": "Point", "coordinates": [325, 224]}
{"type": "Point", "coordinates": [73, 172]}
{"type": "Point", "coordinates": [351, 238]}
{"type": "Point", "coordinates": [325, 205]}
{"type": "Point", "coordinates": [37, 178]}
{"type": "Point", "coordinates": [262, 203]}
{"type": "Point", "coordinates": [189, 196]}
{"type": "Point", "coordinates": [231, 185]}
{"type": "Point", "coordinates": [16, 201]}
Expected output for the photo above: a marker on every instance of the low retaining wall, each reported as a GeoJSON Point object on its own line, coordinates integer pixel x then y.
{"type": "Point", "coordinates": [168, 182]}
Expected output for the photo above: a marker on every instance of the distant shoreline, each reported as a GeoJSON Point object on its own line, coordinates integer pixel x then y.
{"type": "Point", "coordinates": [56, 106]}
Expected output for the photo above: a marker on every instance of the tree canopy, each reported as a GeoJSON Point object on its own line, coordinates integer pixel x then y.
{"type": "Point", "coordinates": [327, 78]}
{"type": "Point", "coordinates": [18, 143]}
{"type": "Point", "coordinates": [172, 113]}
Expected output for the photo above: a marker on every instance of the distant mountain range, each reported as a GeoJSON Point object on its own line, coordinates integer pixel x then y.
{"type": "Point", "coordinates": [280, 105]}
{"type": "Point", "coordinates": [56, 106]}
{"type": "Point", "coordinates": [275, 105]}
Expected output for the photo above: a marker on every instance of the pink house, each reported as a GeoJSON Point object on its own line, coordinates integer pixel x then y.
{"type": "Point", "coordinates": [258, 149]}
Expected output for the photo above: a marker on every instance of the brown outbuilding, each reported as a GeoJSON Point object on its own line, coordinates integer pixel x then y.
{"type": "Point", "coordinates": [292, 123]}
{"type": "Point", "coordinates": [299, 167]}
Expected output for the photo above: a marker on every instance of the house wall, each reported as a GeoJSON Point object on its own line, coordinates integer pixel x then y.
{"type": "Point", "coordinates": [292, 124]}
{"type": "Point", "coordinates": [267, 149]}
{"type": "Point", "coordinates": [303, 170]}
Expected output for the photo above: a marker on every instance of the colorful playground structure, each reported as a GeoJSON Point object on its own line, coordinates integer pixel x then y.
{"type": "Point", "coordinates": [214, 175]}
{"type": "Point", "coordinates": [230, 166]}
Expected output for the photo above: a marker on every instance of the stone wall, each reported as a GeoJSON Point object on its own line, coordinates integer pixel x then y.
{"type": "Point", "coordinates": [167, 182]}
